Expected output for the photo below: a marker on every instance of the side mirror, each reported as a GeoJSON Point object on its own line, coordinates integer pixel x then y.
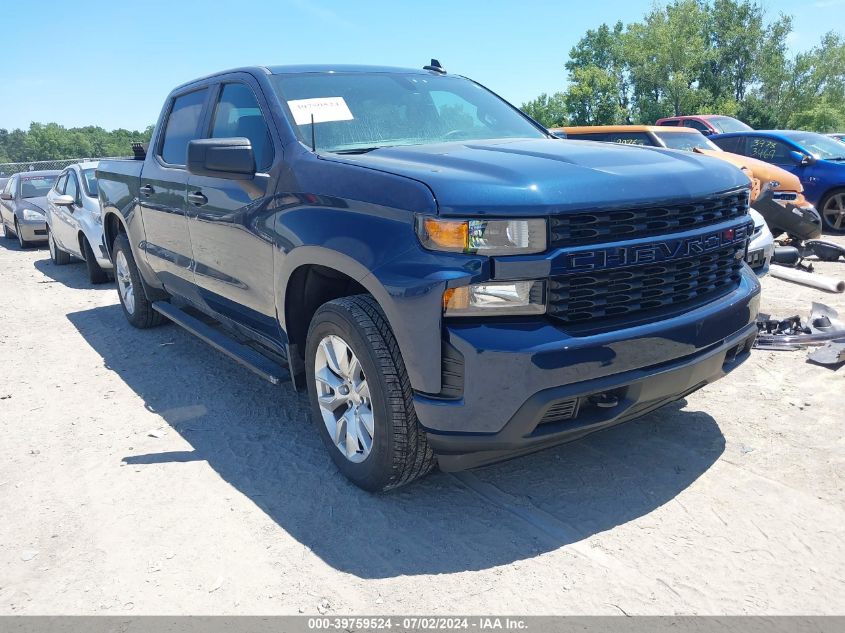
{"type": "Point", "coordinates": [64, 200]}
{"type": "Point", "coordinates": [5, 196]}
{"type": "Point", "coordinates": [707, 132]}
{"type": "Point", "coordinates": [231, 158]}
{"type": "Point", "coordinates": [802, 158]}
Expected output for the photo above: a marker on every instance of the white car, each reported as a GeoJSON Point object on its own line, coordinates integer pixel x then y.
{"type": "Point", "coordinates": [74, 221]}
{"type": "Point", "coordinates": [762, 245]}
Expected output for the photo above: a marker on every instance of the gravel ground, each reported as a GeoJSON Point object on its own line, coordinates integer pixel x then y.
{"type": "Point", "coordinates": [142, 472]}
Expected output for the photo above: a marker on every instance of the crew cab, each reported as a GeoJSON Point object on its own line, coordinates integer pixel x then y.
{"type": "Point", "coordinates": [450, 282]}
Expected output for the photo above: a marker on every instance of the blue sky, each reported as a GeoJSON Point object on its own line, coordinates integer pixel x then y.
{"type": "Point", "coordinates": [111, 63]}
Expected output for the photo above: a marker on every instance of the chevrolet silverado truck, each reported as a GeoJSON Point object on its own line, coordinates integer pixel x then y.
{"type": "Point", "coordinates": [450, 282]}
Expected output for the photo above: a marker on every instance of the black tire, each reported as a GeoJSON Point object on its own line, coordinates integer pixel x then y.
{"type": "Point", "coordinates": [23, 243]}
{"type": "Point", "coordinates": [6, 232]}
{"type": "Point", "coordinates": [96, 275]}
{"type": "Point", "coordinates": [57, 255]}
{"type": "Point", "coordinates": [829, 225]}
{"type": "Point", "coordinates": [142, 316]}
{"type": "Point", "coordinates": [400, 452]}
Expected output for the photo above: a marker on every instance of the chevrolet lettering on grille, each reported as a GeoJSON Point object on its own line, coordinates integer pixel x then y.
{"type": "Point", "coordinates": [666, 250]}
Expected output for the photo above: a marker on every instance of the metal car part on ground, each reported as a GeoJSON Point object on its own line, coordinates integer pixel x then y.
{"type": "Point", "coordinates": [822, 326]}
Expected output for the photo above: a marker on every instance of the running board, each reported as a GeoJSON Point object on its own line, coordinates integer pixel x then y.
{"type": "Point", "coordinates": [242, 354]}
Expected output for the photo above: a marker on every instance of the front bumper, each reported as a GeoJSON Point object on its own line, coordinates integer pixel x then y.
{"type": "Point", "coordinates": [519, 376]}
{"type": "Point", "coordinates": [33, 230]}
{"type": "Point", "coordinates": [760, 251]}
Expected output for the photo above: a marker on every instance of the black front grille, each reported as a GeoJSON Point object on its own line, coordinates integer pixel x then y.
{"type": "Point", "coordinates": [624, 224]}
{"type": "Point", "coordinates": [645, 289]}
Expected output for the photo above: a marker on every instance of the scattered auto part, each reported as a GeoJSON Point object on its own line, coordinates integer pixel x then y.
{"type": "Point", "coordinates": [825, 251]}
{"type": "Point", "coordinates": [822, 326]}
{"type": "Point", "coordinates": [831, 354]}
{"type": "Point", "coordinates": [786, 256]}
{"type": "Point", "coordinates": [807, 279]}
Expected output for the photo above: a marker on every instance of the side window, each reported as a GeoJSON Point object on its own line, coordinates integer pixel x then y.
{"type": "Point", "coordinates": [13, 186]}
{"type": "Point", "coordinates": [60, 183]}
{"type": "Point", "coordinates": [670, 122]}
{"type": "Point", "coordinates": [696, 125]}
{"type": "Point", "coordinates": [733, 144]}
{"type": "Point", "coordinates": [181, 128]}
{"type": "Point", "coordinates": [769, 150]}
{"type": "Point", "coordinates": [72, 188]}
{"type": "Point", "coordinates": [8, 187]}
{"type": "Point", "coordinates": [237, 114]}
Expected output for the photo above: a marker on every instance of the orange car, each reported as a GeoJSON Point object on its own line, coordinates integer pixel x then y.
{"type": "Point", "coordinates": [775, 193]}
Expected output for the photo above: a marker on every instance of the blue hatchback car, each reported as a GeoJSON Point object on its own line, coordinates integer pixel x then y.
{"type": "Point", "coordinates": [817, 160]}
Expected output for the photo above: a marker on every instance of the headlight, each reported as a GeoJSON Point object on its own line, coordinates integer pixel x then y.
{"type": "Point", "coordinates": [496, 298]}
{"type": "Point", "coordinates": [485, 237]}
{"type": "Point", "coordinates": [32, 214]}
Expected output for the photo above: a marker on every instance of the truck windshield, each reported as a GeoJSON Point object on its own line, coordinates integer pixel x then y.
{"type": "Point", "coordinates": [686, 140]}
{"type": "Point", "coordinates": [357, 112]}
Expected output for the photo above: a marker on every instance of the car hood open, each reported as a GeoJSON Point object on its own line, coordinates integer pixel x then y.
{"type": "Point", "coordinates": [547, 176]}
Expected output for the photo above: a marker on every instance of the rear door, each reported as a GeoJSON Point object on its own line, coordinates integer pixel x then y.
{"type": "Point", "coordinates": [163, 190]}
{"type": "Point", "coordinates": [232, 244]}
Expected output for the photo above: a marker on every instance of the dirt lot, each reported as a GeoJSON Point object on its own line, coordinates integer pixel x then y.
{"type": "Point", "coordinates": [142, 472]}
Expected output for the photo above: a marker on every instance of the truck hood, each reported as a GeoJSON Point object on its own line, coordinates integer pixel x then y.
{"type": "Point", "coordinates": [547, 176]}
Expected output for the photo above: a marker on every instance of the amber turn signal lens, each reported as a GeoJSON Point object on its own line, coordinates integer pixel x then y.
{"type": "Point", "coordinates": [456, 298]}
{"type": "Point", "coordinates": [452, 236]}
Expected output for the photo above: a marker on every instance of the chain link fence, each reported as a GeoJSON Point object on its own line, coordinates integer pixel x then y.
{"type": "Point", "coordinates": [10, 169]}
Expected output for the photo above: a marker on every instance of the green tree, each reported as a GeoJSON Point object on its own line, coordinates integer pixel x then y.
{"type": "Point", "coordinates": [50, 141]}
{"type": "Point", "coordinates": [593, 98]}
{"type": "Point", "coordinates": [547, 110]}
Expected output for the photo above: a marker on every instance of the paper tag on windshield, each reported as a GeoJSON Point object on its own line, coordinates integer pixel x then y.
{"type": "Point", "coordinates": [324, 109]}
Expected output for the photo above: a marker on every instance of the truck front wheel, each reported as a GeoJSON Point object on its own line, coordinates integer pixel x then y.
{"type": "Point", "coordinates": [137, 308]}
{"type": "Point", "coordinates": [361, 398]}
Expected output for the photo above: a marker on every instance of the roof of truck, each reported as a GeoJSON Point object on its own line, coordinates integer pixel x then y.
{"type": "Point", "coordinates": [310, 68]}
{"type": "Point", "coordinates": [344, 68]}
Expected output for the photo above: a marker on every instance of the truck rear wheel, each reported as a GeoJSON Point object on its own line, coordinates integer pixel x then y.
{"type": "Point", "coordinates": [130, 287]}
{"type": "Point", "coordinates": [361, 398]}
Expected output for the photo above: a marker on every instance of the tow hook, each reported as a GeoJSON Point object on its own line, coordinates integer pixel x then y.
{"type": "Point", "coordinates": [604, 400]}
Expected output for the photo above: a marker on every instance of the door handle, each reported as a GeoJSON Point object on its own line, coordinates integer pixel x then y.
{"type": "Point", "coordinates": [197, 198]}
{"type": "Point", "coordinates": [147, 191]}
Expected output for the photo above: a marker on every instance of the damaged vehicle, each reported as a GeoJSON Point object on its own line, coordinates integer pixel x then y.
{"type": "Point", "coordinates": [817, 160]}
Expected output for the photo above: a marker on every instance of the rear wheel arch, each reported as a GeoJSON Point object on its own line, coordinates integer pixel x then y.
{"type": "Point", "coordinates": [112, 227]}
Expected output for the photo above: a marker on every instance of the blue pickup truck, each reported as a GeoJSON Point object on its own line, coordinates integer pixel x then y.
{"type": "Point", "coordinates": [450, 282]}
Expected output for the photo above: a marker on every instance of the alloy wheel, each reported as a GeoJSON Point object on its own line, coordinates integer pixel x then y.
{"type": "Point", "coordinates": [124, 282]}
{"type": "Point", "coordinates": [344, 398]}
{"type": "Point", "coordinates": [52, 245]}
{"type": "Point", "coordinates": [834, 212]}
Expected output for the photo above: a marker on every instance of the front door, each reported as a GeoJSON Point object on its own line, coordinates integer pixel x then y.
{"type": "Point", "coordinates": [163, 191]}
{"type": "Point", "coordinates": [232, 243]}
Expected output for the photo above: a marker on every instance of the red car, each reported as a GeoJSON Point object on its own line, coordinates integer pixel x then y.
{"type": "Point", "coordinates": [707, 124]}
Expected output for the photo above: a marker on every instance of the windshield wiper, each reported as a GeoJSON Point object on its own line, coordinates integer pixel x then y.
{"type": "Point", "coordinates": [356, 150]}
